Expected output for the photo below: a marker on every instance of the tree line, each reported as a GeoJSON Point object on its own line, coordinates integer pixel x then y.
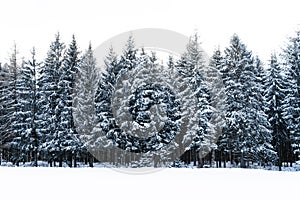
{"type": "Point", "coordinates": [45, 107]}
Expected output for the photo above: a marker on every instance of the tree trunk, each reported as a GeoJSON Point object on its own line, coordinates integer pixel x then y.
{"type": "Point", "coordinates": [91, 161]}
{"type": "Point", "coordinates": [75, 160]}
{"type": "Point", "coordinates": [279, 163]}
{"type": "Point", "coordinates": [69, 159]}
{"type": "Point", "coordinates": [224, 161]}
{"type": "Point", "coordinates": [213, 157]}
{"type": "Point", "coordinates": [220, 159]}
{"type": "Point", "coordinates": [60, 160]}
{"type": "Point", "coordinates": [280, 157]}
{"type": "Point", "coordinates": [243, 165]}
{"type": "Point", "coordinates": [195, 156]}
{"type": "Point", "coordinates": [35, 157]}
{"type": "Point", "coordinates": [200, 161]}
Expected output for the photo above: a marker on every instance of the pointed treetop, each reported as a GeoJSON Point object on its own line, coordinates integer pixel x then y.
{"type": "Point", "coordinates": [216, 59]}
{"type": "Point", "coordinates": [57, 41]}
{"type": "Point", "coordinates": [194, 37]}
{"type": "Point", "coordinates": [73, 44]}
{"type": "Point", "coordinates": [71, 58]}
{"type": "Point", "coordinates": [111, 57]}
{"type": "Point", "coordinates": [237, 50]}
{"type": "Point", "coordinates": [57, 35]}
{"type": "Point", "coordinates": [153, 57]}
{"type": "Point", "coordinates": [236, 42]}
{"type": "Point", "coordinates": [90, 46]}
{"type": "Point", "coordinates": [112, 53]}
{"type": "Point", "coordinates": [74, 39]}
{"type": "Point", "coordinates": [88, 60]}
{"type": "Point", "coordinates": [56, 47]}
{"type": "Point", "coordinates": [194, 51]}
{"type": "Point", "coordinates": [13, 56]}
{"type": "Point", "coordinates": [273, 71]}
{"type": "Point", "coordinates": [235, 39]}
{"type": "Point", "coordinates": [33, 51]}
{"type": "Point", "coordinates": [273, 57]}
{"type": "Point", "coordinates": [33, 60]}
{"type": "Point", "coordinates": [89, 52]}
{"type": "Point", "coordinates": [143, 57]}
{"type": "Point", "coordinates": [130, 45]}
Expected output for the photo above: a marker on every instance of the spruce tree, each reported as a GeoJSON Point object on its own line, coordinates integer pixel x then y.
{"type": "Point", "coordinates": [84, 112]}
{"type": "Point", "coordinates": [6, 110]}
{"type": "Point", "coordinates": [48, 100]}
{"type": "Point", "coordinates": [247, 128]}
{"type": "Point", "coordinates": [291, 57]}
{"type": "Point", "coordinates": [12, 105]}
{"type": "Point", "coordinates": [275, 96]}
{"type": "Point", "coordinates": [191, 66]}
{"type": "Point", "coordinates": [27, 140]}
{"type": "Point", "coordinates": [218, 101]}
{"type": "Point", "coordinates": [154, 109]}
{"type": "Point", "coordinates": [66, 136]}
{"type": "Point", "coordinates": [103, 132]}
{"type": "Point", "coordinates": [290, 114]}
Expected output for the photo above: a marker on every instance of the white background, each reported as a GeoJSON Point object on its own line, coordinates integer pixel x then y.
{"type": "Point", "coordinates": [262, 25]}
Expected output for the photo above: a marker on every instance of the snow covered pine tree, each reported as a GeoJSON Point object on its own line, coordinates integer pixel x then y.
{"type": "Point", "coordinates": [247, 131]}
{"type": "Point", "coordinates": [48, 99]}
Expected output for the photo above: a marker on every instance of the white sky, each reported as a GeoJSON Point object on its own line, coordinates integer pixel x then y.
{"type": "Point", "coordinates": [262, 25]}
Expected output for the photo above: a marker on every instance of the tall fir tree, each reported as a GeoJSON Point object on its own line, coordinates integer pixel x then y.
{"type": "Point", "coordinates": [66, 137]}
{"type": "Point", "coordinates": [7, 110]}
{"type": "Point", "coordinates": [290, 114]}
{"type": "Point", "coordinates": [27, 140]}
{"type": "Point", "coordinates": [275, 95]}
{"type": "Point", "coordinates": [191, 66]}
{"type": "Point", "coordinates": [128, 61]}
{"type": "Point", "coordinates": [48, 100]}
{"type": "Point", "coordinates": [12, 107]}
{"type": "Point", "coordinates": [154, 109]}
{"type": "Point", "coordinates": [104, 92]}
{"type": "Point", "coordinates": [84, 114]}
{"type": "Point", "coordinates": [247, 128]}
{"type": "Point", "coordinates": [218, 101]}
{"type": "Point", "coordinates": [291, 57]}
{"type": "Point", "coordinates": [128, 58]}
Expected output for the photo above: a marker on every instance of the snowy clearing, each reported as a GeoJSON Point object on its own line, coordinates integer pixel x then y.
{"type": "Point", "coordinates": [96, 183]}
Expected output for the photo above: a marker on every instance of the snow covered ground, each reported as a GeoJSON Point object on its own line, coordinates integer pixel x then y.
{"type": "Point", "coordinates": [103, 183]}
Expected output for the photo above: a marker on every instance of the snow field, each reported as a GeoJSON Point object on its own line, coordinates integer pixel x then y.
{"type": "Point", "coordinates": [96, 183]}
